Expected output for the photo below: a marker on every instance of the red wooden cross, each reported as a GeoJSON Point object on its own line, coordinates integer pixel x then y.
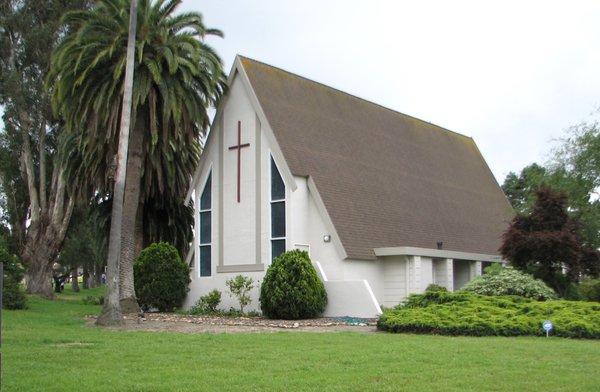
{"type": "Point", "coordinates": [239, 147]}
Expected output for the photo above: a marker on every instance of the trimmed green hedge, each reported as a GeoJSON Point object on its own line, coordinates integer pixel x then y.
{"type": "Point", "coordinates": [161, 277]}
{"type": "Point", "coordinates": [292, 289]}
{"type": "Point", "coordinates": [466, 313]}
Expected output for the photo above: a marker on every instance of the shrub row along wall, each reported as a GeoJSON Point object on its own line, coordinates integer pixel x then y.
{"type": "Point", "coordinates": [471, 314]}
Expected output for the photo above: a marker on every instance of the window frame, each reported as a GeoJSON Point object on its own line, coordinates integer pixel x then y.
{"type": "Point", "coordinates": [273, 164]}
{"type": "Point", "coordinates": [200, 211]}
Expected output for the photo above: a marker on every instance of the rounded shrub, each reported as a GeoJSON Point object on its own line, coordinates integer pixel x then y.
{"type": "Point", "coordinates": [13, 295]}
{"type": "Point", "coordinates": [509, 281]}
{"type": "Point", "coordinates": [161, 277]}
{"type": "Point", "coordinates": [291, 288]}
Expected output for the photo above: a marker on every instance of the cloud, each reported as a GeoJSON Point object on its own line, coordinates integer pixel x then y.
{"type": "Point", "coordinates": [513, 75]}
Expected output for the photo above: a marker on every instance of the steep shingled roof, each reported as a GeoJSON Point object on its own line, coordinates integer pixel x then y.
{"type": "Point", "coordinates": [386, 179]}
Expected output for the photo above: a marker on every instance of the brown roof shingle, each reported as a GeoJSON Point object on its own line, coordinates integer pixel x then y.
{"type": "Point", "coordinates": [386, 179]}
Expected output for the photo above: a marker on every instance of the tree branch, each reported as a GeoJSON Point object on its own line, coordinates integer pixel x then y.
{"type": "Point", "coordinates": [42, 158]}
{"type": "Point", "coordinates": [27, 160]}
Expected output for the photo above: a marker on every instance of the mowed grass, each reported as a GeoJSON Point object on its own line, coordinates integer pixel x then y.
{"type": "Point", "coordinates": [48, 348]}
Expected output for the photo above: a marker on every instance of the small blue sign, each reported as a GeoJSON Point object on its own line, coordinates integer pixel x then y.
{"type": "Point", "coordinates": [547, 325]}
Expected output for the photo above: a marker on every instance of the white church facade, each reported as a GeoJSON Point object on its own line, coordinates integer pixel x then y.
{"type": "Point", "coordinates": [384, 204]}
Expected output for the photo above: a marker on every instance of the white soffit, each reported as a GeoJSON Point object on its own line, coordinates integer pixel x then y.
{"type": "Point", "coordinates": [444, 254]}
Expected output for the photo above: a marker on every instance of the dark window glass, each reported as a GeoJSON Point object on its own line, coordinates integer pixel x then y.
{"type": "Point", "coordinates": [205, 265]}
{"type": "Point", "coordinates": [278, 219]}
{"type": "Point", "coordinates": [205, 228]}
{"type": "Point", "coordinates": [277, 247]}
{"type": "Point", "coordinates": [277, 185]}
{"type": "Point", "coordinates": [205, 199]}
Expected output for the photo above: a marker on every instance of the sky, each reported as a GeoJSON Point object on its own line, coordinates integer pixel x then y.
{"type": "Point", "coordinates": [514, 75]}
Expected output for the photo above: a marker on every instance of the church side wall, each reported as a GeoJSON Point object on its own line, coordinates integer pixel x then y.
{"type": "Point", "coordinates": [309, 228]}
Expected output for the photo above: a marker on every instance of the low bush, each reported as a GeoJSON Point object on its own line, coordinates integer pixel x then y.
{"type": "Point", "coordinates": [291, 288]}
{"type": "Point", "coordinates": [161, 277]}
{"type": "Point", "coordinates": [239, 287]}
{"type": "Point", "coordinates": [466, 313]}
{"type": "Point", "coordinates": [93, 300]}
{"type": "Point", "coordinates": [13, 295]}
{"type": "Point", "coordinates": [590, 290]}
{"type": "Point", "coordinates": [207, 304]}
{"type": "Point", "coordinates": [436, 287]}
{"type": "Point", "coordinates": [509, 281]}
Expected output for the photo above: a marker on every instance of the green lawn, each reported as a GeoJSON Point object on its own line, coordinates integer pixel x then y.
{"type": "Point", "coordinates": [48, 348]}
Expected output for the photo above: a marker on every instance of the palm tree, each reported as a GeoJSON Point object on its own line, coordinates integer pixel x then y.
{"type": "Point", "coordinates": [177, 76]}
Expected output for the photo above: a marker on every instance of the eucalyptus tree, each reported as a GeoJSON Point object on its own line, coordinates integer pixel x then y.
{"type": "Point", "coordinates": [38, 201]}
{"type": "Point", "coordinates": [177, 77]}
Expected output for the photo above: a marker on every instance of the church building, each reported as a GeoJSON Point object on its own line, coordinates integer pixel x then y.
{"type": "Point", "coordinates": [384, 203]}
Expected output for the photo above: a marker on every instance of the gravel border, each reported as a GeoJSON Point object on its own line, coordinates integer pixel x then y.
{"type": "Point", "coordinates": [201, 323]}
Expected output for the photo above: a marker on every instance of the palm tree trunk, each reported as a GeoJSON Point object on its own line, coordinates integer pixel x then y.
{"type": "Point", "coordinates": [111, 311]}
{"type": "Point", "coordinates": [131, 205]}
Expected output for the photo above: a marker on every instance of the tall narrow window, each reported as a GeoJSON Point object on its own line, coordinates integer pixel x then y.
{"type": "Point", "coordinates": [206, 228]}
{"type": "Point", "coordinates": [277, 212]}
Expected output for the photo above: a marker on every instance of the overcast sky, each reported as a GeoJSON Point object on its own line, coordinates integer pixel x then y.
{"type": "Point", "coordinates": [513, 75]}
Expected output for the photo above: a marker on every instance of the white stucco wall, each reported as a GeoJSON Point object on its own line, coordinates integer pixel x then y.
{"type": "Point", "coordinates": [462, 273]}
{"type": "Point", "coordinates": [443, 273]}
{"type": "Point", "coordinates": [395, 280]}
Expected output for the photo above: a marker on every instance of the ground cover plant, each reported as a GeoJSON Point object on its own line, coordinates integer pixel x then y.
{"type": "Point", "coordinates": [207, 304]}
{"type": "Point", "coordinates": [464, 313]}
{"type": "Point", "coordinates": [51, 338]}
{"type": "Point", "coordinates": [590, 290]}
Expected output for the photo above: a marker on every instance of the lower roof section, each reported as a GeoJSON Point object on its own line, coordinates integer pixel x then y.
{"type": "Point", "coordinates": [440, 253]}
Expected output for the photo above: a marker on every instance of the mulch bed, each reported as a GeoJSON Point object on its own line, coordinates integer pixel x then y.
{"type": "Point", "coordinates": [202, 323]}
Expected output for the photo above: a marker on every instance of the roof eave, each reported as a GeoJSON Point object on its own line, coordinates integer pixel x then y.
{"type": "Point", "coordinates": [439, 253]}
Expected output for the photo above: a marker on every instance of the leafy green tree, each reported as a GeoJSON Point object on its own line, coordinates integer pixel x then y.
{"type": "Point", "coordinates": [579, 153]}
{"type": "Point", "coordinates": [177, 76]}
{"type": "Point", "coordinates": [85, 245]}
{"type": "Point", "coordinates": [38, 204]}
{"type": "Point", "coordinates": [574, 169]}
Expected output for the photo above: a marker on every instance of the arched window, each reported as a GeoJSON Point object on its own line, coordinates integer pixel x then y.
{"type": "Point", "coordinates": [206, 228]}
